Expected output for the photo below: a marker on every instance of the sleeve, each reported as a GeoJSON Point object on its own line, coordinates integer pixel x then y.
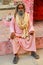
{"type": "Point", "coordinates": [31, 27]}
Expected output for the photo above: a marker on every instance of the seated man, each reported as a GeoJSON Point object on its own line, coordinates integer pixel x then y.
{"type": "Point", "coordinates": [22, 34]}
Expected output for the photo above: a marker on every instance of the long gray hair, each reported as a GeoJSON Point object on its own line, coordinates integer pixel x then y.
{"type": "Point", "coordinates": [16, 10]}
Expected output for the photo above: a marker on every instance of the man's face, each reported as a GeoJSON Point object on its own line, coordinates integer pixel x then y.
{"type": "Point", "coordinates": [20, 10]}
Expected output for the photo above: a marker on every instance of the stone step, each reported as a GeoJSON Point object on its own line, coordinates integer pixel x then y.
{"type": "Point", "coordinates": [38, 25]}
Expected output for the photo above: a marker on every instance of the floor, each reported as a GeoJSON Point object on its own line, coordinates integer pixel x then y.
{"type": "Point", "coordinates": [24, 59]}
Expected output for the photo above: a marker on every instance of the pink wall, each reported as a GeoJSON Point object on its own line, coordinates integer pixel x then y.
{"type": "Point", "coordinates": [29, 8]}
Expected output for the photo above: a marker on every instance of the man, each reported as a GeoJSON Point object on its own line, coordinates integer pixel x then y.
{"type": "Point", "coordinates": [22, 34]}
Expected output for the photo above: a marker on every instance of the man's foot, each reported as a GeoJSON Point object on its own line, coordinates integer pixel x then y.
{"type": "Point", "coordinates": [15, 60]}
{"type": "Point", "coordinates": [34, 55]}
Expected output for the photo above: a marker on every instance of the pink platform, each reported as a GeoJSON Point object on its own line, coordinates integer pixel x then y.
{"type": "Point", "coordinates": [6, 47]}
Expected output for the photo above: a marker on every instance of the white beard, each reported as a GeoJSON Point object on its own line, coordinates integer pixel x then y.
{"type": "Point", "coordinates": [23, 23]}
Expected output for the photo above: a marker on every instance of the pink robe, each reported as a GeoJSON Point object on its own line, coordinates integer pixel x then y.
{"type": "Point", "coordinates": [21, 45]}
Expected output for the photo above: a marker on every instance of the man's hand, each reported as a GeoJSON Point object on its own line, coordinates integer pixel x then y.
{"type": "Point", "coordinates": [12, 35]}
{"type": "Point", "coordinates": [31, 33]}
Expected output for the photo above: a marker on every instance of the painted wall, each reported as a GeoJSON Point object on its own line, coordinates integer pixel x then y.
{"type": "Point", "coordinates": [38, 9]}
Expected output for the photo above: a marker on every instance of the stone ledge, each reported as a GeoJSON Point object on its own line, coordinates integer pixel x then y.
{"type": "Point", "coordinates": [7, 7]}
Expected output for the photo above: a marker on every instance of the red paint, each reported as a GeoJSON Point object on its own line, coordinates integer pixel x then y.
{"type": "Point", "coordinates": [38, 9]}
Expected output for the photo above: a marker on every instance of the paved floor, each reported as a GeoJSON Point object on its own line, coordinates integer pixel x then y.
{"type": "Point", "coordinates": [40, 61]}
{"type": "Point", "coordinates": [24, 59]}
